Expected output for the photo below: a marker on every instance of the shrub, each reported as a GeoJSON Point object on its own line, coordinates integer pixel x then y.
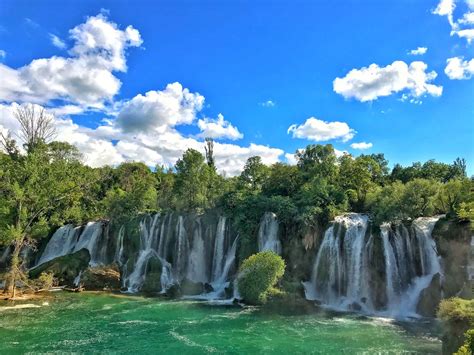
{"type": "Point", "coordinates": [456, 310]}
{"type": "Point", "coordinates": [468, 347]}
{"type": "Point", "coordinates": [258, 276]}
{"type": "Point", "coordinates": [457, 316]}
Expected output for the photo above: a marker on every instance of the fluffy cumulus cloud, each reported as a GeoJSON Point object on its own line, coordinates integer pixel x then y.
{"type": "Point", "coordinates": [461, 27]}
{"type": "Point", "coordinates": [218, 128]}
{"type": "Point", "coordinates": [85, 78]}
{"type": "Point", "coordinates": [110, 144]}
{"type": "Point", "coordinates": [370, 83]}
{"type": "Point", "coordinates": [459, 69]}
{"type": "Point", "coordinates": [143, 128]}
{"type": "Point", "coordinates": [320, 131]}
{"type": "Point", "coordinates": [159, 110]}
{"type": "Point", "coordinates": [361, 145]}
{"type": "Point", "coordinates": [418, 51]}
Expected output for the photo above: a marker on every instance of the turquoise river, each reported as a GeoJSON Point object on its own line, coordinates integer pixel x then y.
{"type": "Point", "coordinates": [106, 323]}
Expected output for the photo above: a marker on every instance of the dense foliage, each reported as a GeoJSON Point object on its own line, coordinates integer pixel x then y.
{"type": "Point", "coordinates": [457, 316]}
{"type": "Point", "coordinates": [258, 276]}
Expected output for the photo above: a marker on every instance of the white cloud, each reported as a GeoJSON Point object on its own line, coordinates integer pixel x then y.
{"type": "Point", "coordinates": [149, 146]}
{"type": "Point", "coordinates": [142, 128]}
{"type": "Point", "coordinates": [370, 83]}
{"type": "Point", "coordinates": [268, 103]}
{"type": "Point", "coordinates": [418, 51]}
{"type": "Point", "coordinates": [3, 54]}
{"type": "Point", "coordinates": [467, 19]}
{"type": "Point", "coordinates": [446, 8]}
{"type": "Point", "coordinates": [459, 69]}
{"type": "Point", "coordinates": [86, 78]}
{"type": "Point", "coordinates": [291, 158]}
{"type": "Point", "coordinates": [361, 145]}
{"type": "Point", "coordinates": [218, 128]}
{"type": "Point", "coordinates": [468, 34]}
{"type": "Point", "coordinates": [159, 110]}
{"type": "Point", "coordinates": [56, 41]}
{"type": "Point", "coordinates": [319, 131]}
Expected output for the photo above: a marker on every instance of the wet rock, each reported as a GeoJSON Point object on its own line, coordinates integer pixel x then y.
{"type": "Point", "coordinates": [430, 298]}
{"type": "Point", "coordinates": [64, 268]}
{"type": "Point", "coordinates": [192, 288]}
{"type": "Point", "coordinates": [152, 283]}
{"type": "Point", "coordinates": [174, 291]}
{"type": "Point", "coordinates": [208, 288]}
{"type": "Point", "coordinates": [355, 307]}
{"type": "Point", "coordinates": [101, 278]}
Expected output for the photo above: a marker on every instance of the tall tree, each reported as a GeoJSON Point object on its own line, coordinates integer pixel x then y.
{"type": "Point", "coordinates": [36, 125]}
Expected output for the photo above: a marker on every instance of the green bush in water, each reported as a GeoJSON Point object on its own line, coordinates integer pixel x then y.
{"type": "Point", "coordinates": [258, 276]}
{"type": "Point", "coordinates": [468, 347]}
{"type": "Point", "coordinates": [457, 316]}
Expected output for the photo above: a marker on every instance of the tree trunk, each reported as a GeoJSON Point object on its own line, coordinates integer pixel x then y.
{"type": "Point", "coordinates": [12, 276]}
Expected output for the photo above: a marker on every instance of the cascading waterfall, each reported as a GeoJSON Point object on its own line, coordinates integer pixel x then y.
{"type": "Point", "coordinates": [90, 240]}
{"type": "Point", "coordinates": [344, 274]}
{"type": "Point", "coordinates": [118, 258]}
{"type": "Point", "coordinates": [197, 257]}
{"type": "Point", "coordinates": [182, 253]}
{"type": "Point", "coordinates": [69, 239]}
{"type": "Point", "coordinates": [61, 243]}
{"type": "Point", "coordinates": [268, 234]}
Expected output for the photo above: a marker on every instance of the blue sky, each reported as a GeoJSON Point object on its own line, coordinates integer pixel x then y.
{"type": "Point", "coordinates": [240, 56]}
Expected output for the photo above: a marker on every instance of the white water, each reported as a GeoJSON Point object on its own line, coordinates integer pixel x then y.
{"type": "Point", "coordinates": [118, 258]}
{"type": "Point", "coordinates": [89, 239]}
{"type": "Point", "coordinates": [61, 243]}
{"type": "Point", "coordinates": [341, 276]}
{"type": "Point", "coordinates": [268, 234]}
{"type": "Point", "coordinates": [197, 257]}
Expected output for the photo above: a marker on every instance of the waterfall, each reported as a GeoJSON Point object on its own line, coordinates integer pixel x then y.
{"type": "Point", "coordinates": [90, 239]}
{"type": "Point", "coordinates": [339, 276]}
{"type": "Point", "coordinates": [219, 243]}
{"type": "Point", "coordinates": [118, 258]}
{"type": "Point", "coordinates": [344, 274]}
{"type": "Point", "coordinates": [268, 233]}
{"type": "Point", "coordinates": [183, 246]}
{"type": "Point", "coordinates": [135, 280]}
{"type": "Point", "coordinates": [197, 257]}
{"type": "Point", "coordinates": [61, 243]}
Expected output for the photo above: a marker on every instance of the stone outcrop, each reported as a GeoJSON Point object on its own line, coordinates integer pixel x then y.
{"type": "Point", "coordinates": [64, 268]}
{"type": "Point", "coordinates": [101, 278]}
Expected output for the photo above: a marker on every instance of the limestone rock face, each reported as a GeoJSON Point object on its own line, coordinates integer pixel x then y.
{"type": "Point", "coordinates": [101, 277]}
{"type": "Point", "coordinates": [64, 268]}
{"type": "Point", "coordinates": [430, 298]}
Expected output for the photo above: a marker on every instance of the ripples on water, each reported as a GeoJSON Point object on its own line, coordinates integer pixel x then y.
{"type": "Point", "coordinates": [87, 323]}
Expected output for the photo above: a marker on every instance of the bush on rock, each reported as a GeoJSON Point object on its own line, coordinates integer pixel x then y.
{"type": "Point", "coordinates": [258, 276]}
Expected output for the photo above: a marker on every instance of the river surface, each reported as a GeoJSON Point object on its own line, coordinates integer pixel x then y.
{"type": "Point", "coordinates": [106, 323]}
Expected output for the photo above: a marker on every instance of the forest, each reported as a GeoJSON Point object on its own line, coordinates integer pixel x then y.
{"type": "Point", "coordinates": [44, 184]}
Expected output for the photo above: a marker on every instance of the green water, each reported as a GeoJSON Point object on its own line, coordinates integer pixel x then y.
{"type": "Point", "coordinates": [106, 323]}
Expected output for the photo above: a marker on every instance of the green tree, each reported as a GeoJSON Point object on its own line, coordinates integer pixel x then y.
{"type": "Point", "coordinates": [36, 192]}
{"type": "Point", "coordinates": [317, 161]}
{"type": "Point", "coordinates": [192, 181]}
{"type": "Point", "coordinates": [418, 197]}
{"type": "Point", "coordinates": [283, 180]}
{"type": "Point", "coordinates": [254, 174]}
{"type": "Point", "coordinates": [133, 192]}
{"type": "Point", "coordinates": [452, 195]}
